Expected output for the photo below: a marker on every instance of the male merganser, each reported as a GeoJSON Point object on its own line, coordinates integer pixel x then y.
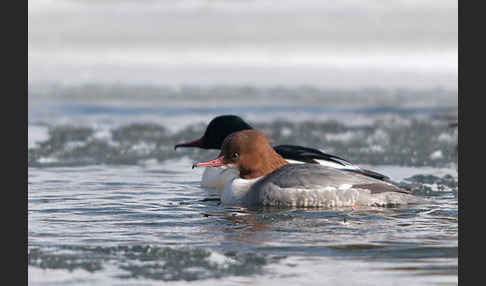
{"type": "Point", "coordinates": [266, 178]}
{"type": "Point", "coordinates": [222, 126]}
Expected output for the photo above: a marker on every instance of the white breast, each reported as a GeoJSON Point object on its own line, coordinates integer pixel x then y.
{"type": "Point", "coordinates": [216, 178]}
{"type": "Point", "coordinates": [236, 190]}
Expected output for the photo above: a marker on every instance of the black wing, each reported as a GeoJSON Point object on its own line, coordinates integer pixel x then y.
{"type": "Point", "coordinates": [310, 155]}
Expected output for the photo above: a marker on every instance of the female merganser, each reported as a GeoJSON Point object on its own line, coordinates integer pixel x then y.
{"type": "Point", "coordinates": [222, 126]}
{"type": "Point", "coordinates": [266, 178]}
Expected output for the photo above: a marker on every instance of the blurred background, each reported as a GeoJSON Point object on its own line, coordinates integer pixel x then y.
{"type": "Point", "coordinates": [108, 64]}
{"type": "Point", "coordinates": [338, 44]}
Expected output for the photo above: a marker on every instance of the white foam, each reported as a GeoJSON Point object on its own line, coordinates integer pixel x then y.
{"type": "Point", "coordinates": [379, 136]}
{"type": "Point", "coordinates": [448, 138]}
{"type": "Point", "coordinates": [436, 155]}
{"type": "Point", "coordinates": [48, 160]}
{"type": "Point", "coordinates": [344, 136]}
{"type": "Point", "coordinates": [220, 260]}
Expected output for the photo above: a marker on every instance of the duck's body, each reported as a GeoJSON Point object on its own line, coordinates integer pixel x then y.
{"type": "Point", "coordinates": [265, 178]}
{"type": "Point", "coordinates": [311, 185]}
{"type": "Point", "coordinates": [216, 177]}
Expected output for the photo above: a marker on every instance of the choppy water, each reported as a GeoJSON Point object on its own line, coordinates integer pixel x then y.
{"type": "Point", "coordinates": [110, 202]}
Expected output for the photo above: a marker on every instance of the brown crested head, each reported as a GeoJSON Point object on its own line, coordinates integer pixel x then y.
{"type": "Point", "coordinates": [250, 153]}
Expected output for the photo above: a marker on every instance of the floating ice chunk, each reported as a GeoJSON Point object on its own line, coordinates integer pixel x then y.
{"type": "Point", "coordinates": [436, 155]}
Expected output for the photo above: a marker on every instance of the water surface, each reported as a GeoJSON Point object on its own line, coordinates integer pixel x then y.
{"type": "Point", "coordinates": [110, 202]}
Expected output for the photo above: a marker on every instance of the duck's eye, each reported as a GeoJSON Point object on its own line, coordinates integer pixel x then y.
{"type": "Point", "coordinates": [235, 155]}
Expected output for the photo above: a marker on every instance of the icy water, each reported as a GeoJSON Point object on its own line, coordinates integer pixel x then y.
{"type": "Point", "coordinates": [114, 85]}
{"type": "Point", "coordinates": [111, 203]}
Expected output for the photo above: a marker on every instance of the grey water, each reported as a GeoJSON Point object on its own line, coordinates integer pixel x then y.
{"type": "Point", "coordinates": [114, 85]}
{"type": "Point", "coordinates": [110, 201]}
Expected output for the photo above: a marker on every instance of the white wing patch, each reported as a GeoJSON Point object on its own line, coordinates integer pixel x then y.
{"type": "Point", "coordinates": [347, 166]}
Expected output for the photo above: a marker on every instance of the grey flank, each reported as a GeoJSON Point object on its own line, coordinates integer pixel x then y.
{"type": "Point", "coordinates": [272, 187]}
